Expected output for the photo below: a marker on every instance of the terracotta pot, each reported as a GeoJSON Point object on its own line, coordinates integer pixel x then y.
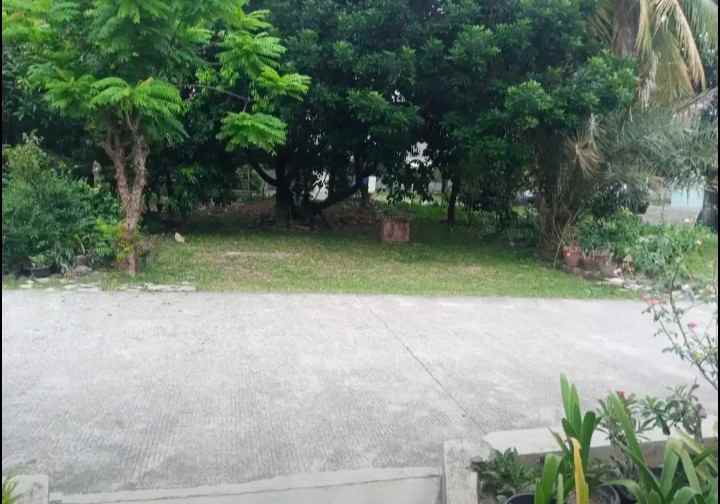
{"type": "Point", "coordinates": [598, 261]}
{"type": "Point", "coordinates": [573, 257]}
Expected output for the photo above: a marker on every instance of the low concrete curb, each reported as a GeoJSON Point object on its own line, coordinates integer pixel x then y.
{"type": "Point", "coordinates": [300, 484]}
{"type": "Point", "coordinates": [32, 489]}
{"type": "Point", "coordinates": [534, 444]}
{"type": "Point", "coordinates": [460, 482]}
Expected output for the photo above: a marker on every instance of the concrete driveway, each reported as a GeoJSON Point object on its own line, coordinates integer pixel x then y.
{"type": "Point", "coordinates": [112, 391]}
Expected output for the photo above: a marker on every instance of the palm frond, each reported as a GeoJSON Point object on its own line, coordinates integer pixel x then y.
{"type": "Point", "coordinates": [703, 17]}
{"type": "Point", "coordinates": [673, 12]}
{"type": "Point", "coordinates": [644, 42]}
{"type": "Point", "coordinates": [584, 149]}
{"type": "Point", "coordinates": [673, 79]}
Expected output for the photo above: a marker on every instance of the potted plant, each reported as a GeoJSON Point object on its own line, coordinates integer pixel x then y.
{"type": "Point", "coordinates": [554, 486]}
{"type": "Point", "coordinates": [572, 255]}
{"type": "Point", "coordinates": [598, 259]}
{"type": "Point", "coordinates": [503, 476]}
{"type": "Point", "coordinates": [579, 430]}
{"type": "Point", "coordinates": [564, 479]}
{"type": "Point", "coordinates": [688, 475]}
{"type": "Point", "coordinates": [549, 489]}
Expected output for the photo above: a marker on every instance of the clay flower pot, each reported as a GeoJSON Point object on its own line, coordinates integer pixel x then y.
{"type": "Point", "coordinates": [572, 255]}
{"type": "Point", "coordinates": [598, 260]}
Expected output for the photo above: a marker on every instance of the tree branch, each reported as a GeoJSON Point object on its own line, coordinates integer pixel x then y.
{"type": "Point", "coordinates": [263, 174]}
{"type": "Point", "coordinates": [246, 100]}
{"type": "Point", "coordinates": [343, 195]}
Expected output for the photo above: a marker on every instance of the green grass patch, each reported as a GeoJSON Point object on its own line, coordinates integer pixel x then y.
{"type": "Point", "coordinates": [703, 263]}
{"type": "Point", "coordinates": [226, 255]}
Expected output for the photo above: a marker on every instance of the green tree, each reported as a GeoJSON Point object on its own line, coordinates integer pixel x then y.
{"type": "Point", "coordinates": [668, 37]}
{"type": "Point", "coordinates": [491, 72]}
{"type": "Point", "coordinates": [127, 67]}
{"type": "Point", "coordinates": [359, 118]}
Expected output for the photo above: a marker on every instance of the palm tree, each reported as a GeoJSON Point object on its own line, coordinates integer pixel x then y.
{"type": "Point", "coordinates": [667, 37]}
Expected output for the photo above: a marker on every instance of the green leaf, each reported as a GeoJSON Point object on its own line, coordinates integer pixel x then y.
{"type": "Point", "coordinates": [687, 463]}
{"type": "Point", "coordinates": [544, 491]}
{"type": "Point", "coordinates": [634, 488]}
{"type": "Point", "coordinates": [243, 130]}
{"type": "Point", "coordinates": [670, 467]}
{"type": "Point", "coordinates": [686, 495]}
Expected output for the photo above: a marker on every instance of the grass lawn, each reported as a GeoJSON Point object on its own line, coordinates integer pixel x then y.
{"type": "Point", "coordinates": [224, 254]}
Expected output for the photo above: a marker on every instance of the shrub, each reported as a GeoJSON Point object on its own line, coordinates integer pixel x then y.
{"type": "Point", "coordinates": [691, 334]}
{"type": "Point", "coordinates": [661, 250]}
{"type": "Point", "coordinates": [618, 196]}
{"type": "Point", "coordinates": [653, 250]}
{"type": "Point", "coordinates": [618, 233]}
{"type": "Point", "coordinates": [504, 475]}
{"type": "Point", "coordinates": [48, 217]}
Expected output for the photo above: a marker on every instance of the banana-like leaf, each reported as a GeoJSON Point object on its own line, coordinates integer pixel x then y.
{"type": "Point", "coordinates": [688, 465]}
{"type": "Point", "coordinates": [670, 467]}
{"type": "Point", "coordinates": [582, 490]}
{"type": "Point", "coordinates": [686, 496]}
{"type": "Point", "coordinates": [634, 488]}
{"type": "Point", "coordinates": [544, 491]}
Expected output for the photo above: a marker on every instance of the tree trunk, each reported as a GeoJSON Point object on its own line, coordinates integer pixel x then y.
{"type": "Point", "coordinates": [626, 27]}
{"type": "Point", "coordinates": [365, 196]}
{"type": "Point", "coordinates": [452, 203]}
{"type": "Point", "coordinates": [283, 194]}
{"type": "Point", "coordinates": [131, 195]}
{"type": "Point", "coordinates": [709, 214]}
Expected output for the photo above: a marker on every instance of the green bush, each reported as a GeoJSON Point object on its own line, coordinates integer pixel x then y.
{"type": "Point", "coordinates": [618, 197]}
{"type": "Point", "coordinates": [661, 250]}
{"type": "Point", "coordinates": [48, 217]}
{"type": "Point", "coordinates": [619, 233]}
{"type": "Point", "coordinates": [653, 250]}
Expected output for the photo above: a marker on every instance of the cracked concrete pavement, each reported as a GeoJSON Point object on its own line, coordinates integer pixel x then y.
{"type": "Point", "coordinates": [123, 391]}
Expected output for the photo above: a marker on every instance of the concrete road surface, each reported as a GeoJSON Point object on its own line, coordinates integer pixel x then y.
{"type": "Point", "coordinates": [112, 391]}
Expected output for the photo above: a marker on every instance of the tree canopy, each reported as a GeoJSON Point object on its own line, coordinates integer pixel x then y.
{"type": "Point", "coordinates": [500, 96]}
{"type": "Point", "coordinates": [126, 68]}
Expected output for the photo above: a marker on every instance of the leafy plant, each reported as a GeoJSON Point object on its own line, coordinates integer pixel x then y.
{"type": "Point", "coordinates": [582, 489]}
{"type": "Point", "coordinates": [661, 251]}
{"type": "Point", "coordinates": [576, 425]}
{"type": "Point", "coordinates": [667, 488]}
{"type": "Point", "coordinates": [692, 340]}
{"type": "Point", "coordinates": [9, 485]}
{"type": "Point", "coordinates": [667, 37]}
{"type": "Point", "coordinates": [653, 250]}
{"type": "Point", "coordinates": [617, 197]}
{"type": "Point", "coordinates": [504, 475]}
{"type": "Point", "coordinates": [641, 422]}
{"type": "Point", "coordinates": [618, 233]}
{"type": "Point", "coordinates": [49, 217]}
{"type": "Point", "coordinates": [550, 487]}
{"type": "Point", "coordinates": [681, 409]}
